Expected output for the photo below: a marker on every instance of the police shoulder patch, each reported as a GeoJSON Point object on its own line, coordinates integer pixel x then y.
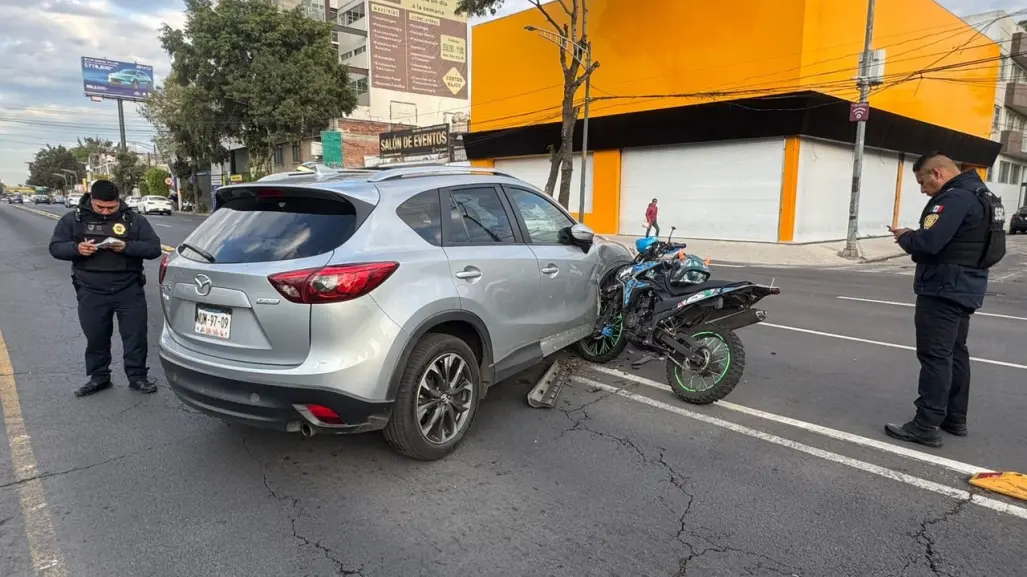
{"type": "Point", "coordinates": [930, 220]}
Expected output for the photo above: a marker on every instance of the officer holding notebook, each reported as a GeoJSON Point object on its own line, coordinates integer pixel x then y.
{"type": "Point", "coordinates": [106, 243]}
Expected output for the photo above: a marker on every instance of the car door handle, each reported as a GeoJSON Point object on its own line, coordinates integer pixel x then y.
{"type": "Point", "coordinates": [551, 269]}
{"type": "Point", "coordinates": [466, 274]}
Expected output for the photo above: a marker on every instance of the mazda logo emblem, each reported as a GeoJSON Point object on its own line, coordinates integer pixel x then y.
{"type": "Point", "coordinates": [203, 285]}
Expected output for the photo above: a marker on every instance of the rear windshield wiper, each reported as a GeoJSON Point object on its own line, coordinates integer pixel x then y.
{"type": "Point", "coordinates": [206, 255]}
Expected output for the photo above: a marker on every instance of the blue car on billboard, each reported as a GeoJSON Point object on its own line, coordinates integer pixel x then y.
{"type": "Point", "coordinates": [114, 79]}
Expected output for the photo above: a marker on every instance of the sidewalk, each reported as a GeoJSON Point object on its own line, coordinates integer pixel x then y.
{"type": "Point", "coordinates": [760, 253]}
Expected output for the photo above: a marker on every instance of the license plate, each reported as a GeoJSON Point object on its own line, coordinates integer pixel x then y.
{"type": "Point", "coordinates": [213, 322]}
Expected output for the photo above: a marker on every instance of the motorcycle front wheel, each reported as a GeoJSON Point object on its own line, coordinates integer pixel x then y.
{"type": "Point", "coordinates": [717, 376]}
{"type": "Point", "coordinates": [608, 345]}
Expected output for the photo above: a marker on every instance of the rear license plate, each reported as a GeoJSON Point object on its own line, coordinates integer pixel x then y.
{"type": "Point", "coordinates": [214, 321]}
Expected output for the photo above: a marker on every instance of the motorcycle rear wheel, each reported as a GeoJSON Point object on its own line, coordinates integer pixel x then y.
{"type": "Point", "coordinates": [721, 373]}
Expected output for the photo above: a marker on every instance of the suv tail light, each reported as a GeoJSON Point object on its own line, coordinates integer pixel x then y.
{"type": "Point", "coordinates": [163, 267]}
{"type": "Point", "coordinates": [332, 284]}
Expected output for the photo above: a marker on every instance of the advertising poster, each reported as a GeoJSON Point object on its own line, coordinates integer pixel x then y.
{"type": "Point", "coordinates": [418, 46]}
{"type": "Point", "coordinates": [114, 79]}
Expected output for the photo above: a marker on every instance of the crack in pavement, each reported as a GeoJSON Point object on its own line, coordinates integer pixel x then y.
{"type": "Point", "coordinates": [50, 474]}
{"type": "Point", "coordinates": [924, 538]}
{"type": "Point", "coordinates": [300, 511]}
{"type": "Point", "coordinates": [687, 532]}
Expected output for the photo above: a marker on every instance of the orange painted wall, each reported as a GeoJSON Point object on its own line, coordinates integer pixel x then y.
{"type": "Point", "coordinates": [647, 47]}
{"type": "Point", "coordinates": [917, 35]}
{"type": "Point", "coordinates": [698, 51]}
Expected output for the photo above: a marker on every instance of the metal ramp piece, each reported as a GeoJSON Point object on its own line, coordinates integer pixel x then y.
{"type": "Point", "coordinates": [545, 392]}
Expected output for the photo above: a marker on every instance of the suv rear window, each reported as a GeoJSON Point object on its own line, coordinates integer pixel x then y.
{"type": "Point", "coordinates": [246, 230]}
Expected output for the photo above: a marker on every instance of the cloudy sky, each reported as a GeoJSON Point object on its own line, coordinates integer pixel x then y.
{"type": "Point", "coordinates": [41, 42]}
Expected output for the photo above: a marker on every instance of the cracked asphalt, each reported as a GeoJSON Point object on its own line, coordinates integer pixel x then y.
{"type": "Point", "coordinates": [599, 486]}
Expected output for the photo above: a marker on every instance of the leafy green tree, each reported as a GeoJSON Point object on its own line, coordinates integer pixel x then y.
{"type": "Point", "coordinates": [567, 20]}
{"type": "Point", "coordinates": [88, 149]}
{"type": "Point", "coordinates": [154, 180]}
{"type": "Point", "coordinates": [127, 172]}
{"type": "Point", "coordinates": [246, 70]}
{"type": "Point", "coordinates": [50, 162]}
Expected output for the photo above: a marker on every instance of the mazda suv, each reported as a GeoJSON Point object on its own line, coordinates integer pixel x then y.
{"type": "Point", "coordinates": [342, 301]}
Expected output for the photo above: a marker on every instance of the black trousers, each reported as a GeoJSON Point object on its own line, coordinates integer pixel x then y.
{"type": "Point", "coordinates": [941, 329]}
{"type": "Point", "coordinates": [653, 225]}
{"type": "Point", "coordinates": [96, 313]}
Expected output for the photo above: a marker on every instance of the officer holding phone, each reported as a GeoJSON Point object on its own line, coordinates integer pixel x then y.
{"type": "Point", "coordinates": [107, 243]}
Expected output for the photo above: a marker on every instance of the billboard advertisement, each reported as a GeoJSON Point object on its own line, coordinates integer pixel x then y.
{"type": "Point", "coordinates": [114, 79]}
{"type": "Point", "coordinates": [418, 47]}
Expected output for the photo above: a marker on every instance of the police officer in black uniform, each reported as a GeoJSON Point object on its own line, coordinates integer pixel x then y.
{"type": "Point", "coordinates": [961, 235]}
{"type": "Point", "coordinates": [106, 243]}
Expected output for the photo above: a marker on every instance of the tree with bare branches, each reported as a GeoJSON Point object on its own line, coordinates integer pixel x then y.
{"type": "Point", "coordinates": [567, 26]}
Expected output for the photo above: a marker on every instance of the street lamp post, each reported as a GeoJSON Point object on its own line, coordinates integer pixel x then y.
{"type": "Point", "coordinates": [583, 49]}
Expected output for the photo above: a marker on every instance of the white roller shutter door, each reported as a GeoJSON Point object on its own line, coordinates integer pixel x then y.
{"type": "Point", "coordinates": [535, 170]}
{"type": "Point", "coordinates": [723, 190]}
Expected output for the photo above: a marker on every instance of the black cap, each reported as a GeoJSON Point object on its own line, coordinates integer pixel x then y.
{"type": "Point", "coordinates": [104, 190]}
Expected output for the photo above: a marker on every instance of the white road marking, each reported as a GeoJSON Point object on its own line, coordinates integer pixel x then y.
{"type": "Point", "coordinates": [39, 526]}
{"type": "Point", "coordinates": [881, 343]}
{"type": "Point", "coordinates": [911, 305]}
{"type": "Point", "coordinates": [917, 482]}
{"type": "Point", "coordinates": [959, 467]}
{"type": "Point", "coordinates": [721, 265]}
{"type": "Point", "coordinates": [162, 224]}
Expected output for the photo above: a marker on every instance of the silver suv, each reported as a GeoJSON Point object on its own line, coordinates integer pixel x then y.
{"type": "Point", "coordinates": [352, 301]}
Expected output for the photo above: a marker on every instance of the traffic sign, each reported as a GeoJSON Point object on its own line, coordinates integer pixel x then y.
{"type": "Point", "coordinates": [859, 111]}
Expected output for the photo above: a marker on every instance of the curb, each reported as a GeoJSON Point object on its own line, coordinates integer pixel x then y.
{"type": "Point", "coordinates": [53, 216]}
{"type": "Point", "coordinates": [883, 258]}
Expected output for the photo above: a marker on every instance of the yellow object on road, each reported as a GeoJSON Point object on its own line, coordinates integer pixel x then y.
{"type": "Point", "coordinates": [1007, 483]}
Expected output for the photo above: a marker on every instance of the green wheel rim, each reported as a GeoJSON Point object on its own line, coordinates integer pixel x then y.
{"type": "Point", "coordinates": [715, 344]}
{"type": "Point", "coordinates": [602, 345]}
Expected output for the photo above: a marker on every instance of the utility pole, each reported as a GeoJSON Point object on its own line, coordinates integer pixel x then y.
{"type": "Point", "coordinates": [852, 250]}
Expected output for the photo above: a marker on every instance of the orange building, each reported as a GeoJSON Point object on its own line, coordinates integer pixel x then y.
{"type": "Point", "coordinates": [735, 114]}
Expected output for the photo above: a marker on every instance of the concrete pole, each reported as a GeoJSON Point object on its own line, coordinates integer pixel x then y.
{"type": "Point", "coordinates": [852, 250]}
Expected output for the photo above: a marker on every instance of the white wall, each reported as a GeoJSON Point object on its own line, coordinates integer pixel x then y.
{"type": "Point", "coordinates": [911, 200]}
{"type": "Point", "coordinates": [535, 170]}
{"type": "Point", "coordinates": [723, 190]}
{"type": "Point", "coordinates": [825, 185]}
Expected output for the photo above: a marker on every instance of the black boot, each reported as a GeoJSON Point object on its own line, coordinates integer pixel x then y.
{"type": "Point", "coordinates": [92, 387]}
{"type": "Point", "coordinates": [953, 427]}
{"type": "Point", "coordinates": [914, 433]}
{"type": "Point", "coordinates": [143, 385]}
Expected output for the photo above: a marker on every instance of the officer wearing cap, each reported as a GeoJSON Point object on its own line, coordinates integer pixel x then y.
{"type": "Point", "coordinates": [961, 236]}
{"type": "Point", "coordinates": [106, 243]}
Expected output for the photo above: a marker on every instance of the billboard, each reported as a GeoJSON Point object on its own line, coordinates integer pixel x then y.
{"type": "Point", "coordinates": [114, 79]}
{"type": "Point", "coordinates": [418, 47]}
{"type": "Point", "coordinates": [423, 140]}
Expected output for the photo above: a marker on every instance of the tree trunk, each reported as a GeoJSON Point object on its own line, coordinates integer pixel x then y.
{"type": "Point", "coordinates": [554, 169]}
{"type": "Point", "coordinates": [570, 117]}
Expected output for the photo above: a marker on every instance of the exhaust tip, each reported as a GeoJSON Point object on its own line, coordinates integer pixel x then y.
{"type": "Point", "coordinates": [761, 315]}
{"type": "Point", "coordinates": [307, 431]}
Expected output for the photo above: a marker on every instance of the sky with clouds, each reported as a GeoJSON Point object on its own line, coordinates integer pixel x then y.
{"type": "Point", "coordinates": [41, 42]}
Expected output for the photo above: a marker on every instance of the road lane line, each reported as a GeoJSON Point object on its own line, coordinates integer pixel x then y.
{"type": "Point", "coordinates": [917, 482]}
{"type": "Point", "coordinates": [162, 224]}
{"type": "Point", "coordinates": [959, 467]}
{"type": "Point", "coordinates": [39, 528]}
{"type": "Point", "coordinates": [880, 343]}
{"type": "Point", "coordinates": [911, 305]}
{"type": "Point", "coordinates": [163, 247]}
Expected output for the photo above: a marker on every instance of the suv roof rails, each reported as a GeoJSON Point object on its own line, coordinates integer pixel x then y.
{"type": "Point", "coordinates": [423, 171]}
{"type": "Point", "coordinates": [314, 170]}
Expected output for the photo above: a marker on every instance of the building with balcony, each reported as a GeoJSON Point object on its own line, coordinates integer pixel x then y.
{"type": "Point", "coordinates": [740, 126]}
{"type": "Point", "coordinates": [1008, 175]}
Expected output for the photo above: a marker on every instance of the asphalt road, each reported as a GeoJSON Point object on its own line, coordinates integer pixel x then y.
{"type": "Point", "coordinates": [621, 479]}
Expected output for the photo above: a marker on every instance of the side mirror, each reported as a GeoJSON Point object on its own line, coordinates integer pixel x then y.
{"type": "Point", "coordinates": [582, 234]}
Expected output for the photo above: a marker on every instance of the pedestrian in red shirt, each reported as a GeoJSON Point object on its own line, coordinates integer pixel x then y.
{"type": "Point", "coordinates": [651, 212]}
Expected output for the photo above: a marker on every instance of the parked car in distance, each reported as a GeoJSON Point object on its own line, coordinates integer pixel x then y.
{"type": "Point", "coordinates": [1018, 221]}
{"type": "Point", "coordinates": [58, 199]}
{"type": "Point", "coordinates": [133, 201]}
{"type": "Point", "coordinates": [72, 200]}
{"type": "Point", "coordinates": [345, 301]}
{"type": "Point", "coordinates": [152, 204]}
{"type": "Point", "coordinates": [40, 199]}
{"type": "Point", "coordinates": [16, 199]}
